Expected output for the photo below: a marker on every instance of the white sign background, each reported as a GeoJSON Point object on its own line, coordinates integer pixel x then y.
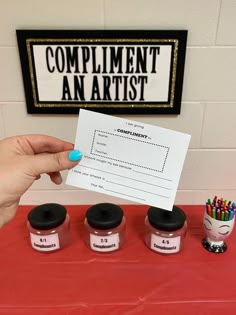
{"type": "Point", "coordinates": [50, 85]}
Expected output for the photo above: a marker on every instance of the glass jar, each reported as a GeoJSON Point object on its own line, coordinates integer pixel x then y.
{"type": "Point", "coordinates": [105, 227]}
{"type": "Point", "coordinates": [48, 226]}
{"type": "Point", "coordinates": [165, 230]}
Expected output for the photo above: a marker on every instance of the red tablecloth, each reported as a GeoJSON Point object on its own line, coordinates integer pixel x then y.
{"type": "Point", "coordinates": [133, 280]}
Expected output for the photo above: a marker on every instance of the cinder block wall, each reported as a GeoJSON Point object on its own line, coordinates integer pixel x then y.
{"type": "Point", "coordinates": [209, 93]}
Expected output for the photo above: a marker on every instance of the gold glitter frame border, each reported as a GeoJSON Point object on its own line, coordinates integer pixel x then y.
{"type": "Point", "coordinates": [168, 107]}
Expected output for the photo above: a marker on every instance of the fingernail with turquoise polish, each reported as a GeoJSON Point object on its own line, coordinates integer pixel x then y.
{"type": "Point", "coordinates": [75, 155]}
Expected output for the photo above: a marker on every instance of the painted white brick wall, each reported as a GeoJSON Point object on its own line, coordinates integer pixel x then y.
{"type": "Point", "coordinates": [226, 32]}
{"type": "Point", "coordinates": [209, 93]}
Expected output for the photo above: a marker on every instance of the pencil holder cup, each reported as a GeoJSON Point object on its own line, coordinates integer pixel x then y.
{"type": "Point", "coordinates": [216, 232]}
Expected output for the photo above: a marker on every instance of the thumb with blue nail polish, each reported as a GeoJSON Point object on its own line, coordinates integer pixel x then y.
{"type": "Point", "coordinates": [75, 155]}
{"type": "Point", "coordinates": [30, 156]}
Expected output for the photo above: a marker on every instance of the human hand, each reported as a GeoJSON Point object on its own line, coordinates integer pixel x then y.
{"type": "Point", "coordinates": [23, 159]}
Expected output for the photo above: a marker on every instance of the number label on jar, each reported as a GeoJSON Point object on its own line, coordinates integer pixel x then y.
{"type": "Point", "coordinates": [106, 243]}
{"type": "Point", "coordinates": [45, 243]}
{"type": "Point", "coordinates": [165, 245]}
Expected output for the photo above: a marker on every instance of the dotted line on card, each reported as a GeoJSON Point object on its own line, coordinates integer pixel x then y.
{"type": "Point", "coordinates": [125, 137]}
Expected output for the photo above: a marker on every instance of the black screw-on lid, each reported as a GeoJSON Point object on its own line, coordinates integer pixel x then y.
{"type": "Point", "coordinates": [104, 216]}
{"type": "Point", "coordinates": [166, 220]}
{"type": "Point", "coordinates": [47, 216]}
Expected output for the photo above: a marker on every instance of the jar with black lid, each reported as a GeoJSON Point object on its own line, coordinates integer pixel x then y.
{"type": "Point", "coordinates": [105, 227]}
{"type": "Point", "coordinates": [165, 230]}
{"type": "Point", "coordinates": [48, 225]}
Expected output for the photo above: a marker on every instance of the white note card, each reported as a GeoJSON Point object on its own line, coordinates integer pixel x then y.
{"type": "Point", "coordinates": [128, 159]}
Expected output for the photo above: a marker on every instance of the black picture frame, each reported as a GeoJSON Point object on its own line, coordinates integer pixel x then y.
{"type": "Point", "coordinates": [46, 78]}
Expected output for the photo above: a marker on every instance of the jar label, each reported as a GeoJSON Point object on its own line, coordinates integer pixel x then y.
{"type": "Point", "coordinates": [167, 245]}
{"type": "Point", "coordinates": [45, 243]}
{"type": "Point", "coordinates": [106, 243]}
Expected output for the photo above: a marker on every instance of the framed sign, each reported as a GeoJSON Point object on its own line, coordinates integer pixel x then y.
{"type": "Point", "coordinates": [113, 72]}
